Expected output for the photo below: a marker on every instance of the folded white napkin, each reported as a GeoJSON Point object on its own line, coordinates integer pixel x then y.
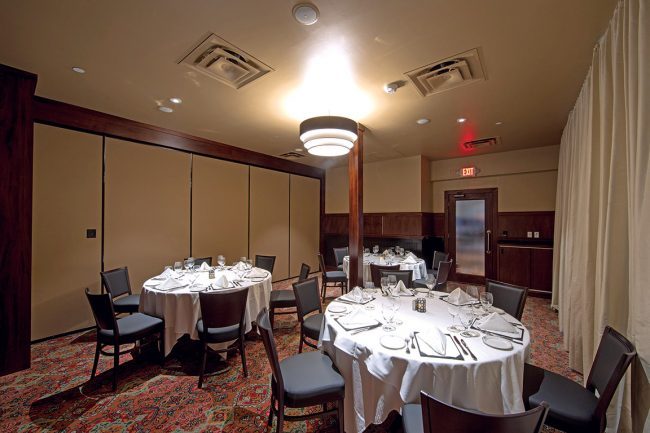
{"type": "Point", "coordinates": [386, 252]}
{"type": "Point", "coordinates": [257, 273]}
{"type": "Point", "coordinates": [401, 290]}
{"type": "Point", "coordinates": [357, 319]}
{"type": "Point", "coordinates": [410, 260]}
{"type": "Point", "coordinates": [381, 261]}
{"type": "Point", "coordinates": [222, 282]}
{"type": "Point", "coordinates": [410, 254]}
{"type": "Point", "coordinates": [495, 322]}
{"type": "Point", "coordinates": [459, 297]}
{"type": "Point", "coordinates": [167, 273]}
{"type": "Point", "coordinates": [204, 267]}
{"type": "Point", "coordinates": [239, 266]}
{"type": "Point", "coordinates": [433, 342]}
{"type": "Point", "coordinates": [170, 283]}
{"type": "Point", "coordinates": [356, 294]}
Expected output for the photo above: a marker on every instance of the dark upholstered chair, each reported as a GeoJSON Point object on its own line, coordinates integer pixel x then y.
{"type": "Point", "coordinates": [577, 409]}
{"type": "Point", "coordinates": [265, 262]}
{"type": "Point", "coordinates": [375, 272]}
{"type": "Point", "coordinates": [438, 256]}
{"type": "Point", "coordinates": [440, 279]}
{"type": "Point", "coordinates": [331, 278]}
{"type": "Point", "coordinates": [222, 320]}
{"type": "Point", "coordinates": [339, 253]}
{"type": "Point", "coordinates": [115, 332]}
{"type": "Point", "coordinates": [286, 298]}
{"type": "Point", "coordinates": [306, 379]}
{"type": "Point", "coordinates": [116, 282]}
{"type": "Point", "coordinates": [435, 416]}
{"type": "Point", "coordinates": [308, 301]}
{"type": "Point", "coordinates": [200, 260]}
{"type": "Point", "coordinates": [405, 277]}
{"type": "Point", "coordinates": [509, 297]}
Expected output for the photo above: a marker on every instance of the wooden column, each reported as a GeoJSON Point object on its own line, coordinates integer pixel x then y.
{"type": "Point", "coordinates": [355, 232]}
{"type": "Point", "coordinates": [16, 158]}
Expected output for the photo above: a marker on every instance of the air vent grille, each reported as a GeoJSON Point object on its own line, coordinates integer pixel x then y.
{"type": "Point", "coordinates": [448, 73]}
{"type": "Point", "coordinates": [292, 155]}
{"type": "Point", "coordinates": [481, 143]}
{"type": "Point", "coordinates": [224, 62]}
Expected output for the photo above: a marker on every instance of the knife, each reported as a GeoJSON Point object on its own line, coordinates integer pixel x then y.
{"type": "Point", "coordinates": [469, 350]}
{"type": "Point", "coordinates": [460, 345]}
{"type": "Point", "coordinates": [493, 334]}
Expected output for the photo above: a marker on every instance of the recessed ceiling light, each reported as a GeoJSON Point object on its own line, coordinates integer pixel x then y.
{"type": "Point", "coordinates": [165, 109]}
{"type": "Point", "coordinates": [79, 70]}
{"type": "Point", "coordinates": [499, 123]}
{"type": "Point", "coordinates": [305, 13]}
{"type": "Point", "coordinates": [298, 149]}
{"type": "Point", "coordinates": [175, 100]}
{"type": "Point", "coordinates": [422, 121]}
{"type": "Point", "coordinates": [461, 120]}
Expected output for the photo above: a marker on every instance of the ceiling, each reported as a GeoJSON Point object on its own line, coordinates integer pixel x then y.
{"type": "Point", "coordinates": [535, 55]}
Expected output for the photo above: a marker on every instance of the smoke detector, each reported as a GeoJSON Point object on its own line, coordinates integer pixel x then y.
{"type": "Point", "coordinates": [305, 13]}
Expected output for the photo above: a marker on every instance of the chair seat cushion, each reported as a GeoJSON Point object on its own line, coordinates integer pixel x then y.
{"type": "Point", "coordinates": [310, 378]}
{"type": "Point", "coordinates": [340, 267]}
{"type": "Point", "coordinates": [412, 418]}
{"type": "Point", "coordinates": [282, 299]}
{"type": "Point", "coordinates": [336, 276]}
{"type": "Point", "coordinates": [313, 325]}
{"type": "Point", "coordinates": [571, 406]}
{"type": "Point", "coordinates": [127, 304]}
{"type": "Point", "coordinates": [420, 282]}
{"type": "Point", "coordinates": [217, 335]}
{"type": "Point", "coordinates": [133, 327]}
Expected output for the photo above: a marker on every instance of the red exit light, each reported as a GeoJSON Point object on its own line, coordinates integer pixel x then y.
{"type": "Point", "coordinates": [468, 172]}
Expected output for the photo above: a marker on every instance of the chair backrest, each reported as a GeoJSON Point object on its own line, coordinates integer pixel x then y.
{"type": "Point", "coordinates": [307, 297]}
{"type": "Point", "coordinates": [221, 309]}
{"type": "Point", "coordinates": [339, 253]}
{"type": "Point", "coordinates": [405, 277]}
{"type": "Point", "coordinates": [375, 272]}
{"type": "Point", "coordinates": [443, 273]}
{"type": "Point", "coordinates": [199, 261]}
{"type": "Point", "coordinates": [613, 357]}
{"type": "Point", "coordinates": [116, 281]}
{"type": "Point", "coordinates": [509, 297]}
{"type": "Point", "coordinates": [439, 256]}
{"type": "Point", "coordinates": [265, 262]}
{"type": "Point", "coordinates": [266, 331]}
{"type": "Point", "coordinates": [304, 272]}
{"type": "Point", "coordinates": [321, 262]}
{"type": "Point", "coordinates": [441, 417]}
{"type": "Point", "coordinates": [102, 308]}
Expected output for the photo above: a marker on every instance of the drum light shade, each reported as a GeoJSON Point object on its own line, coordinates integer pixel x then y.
{"type": "Point", "coordinates": [328, 135]}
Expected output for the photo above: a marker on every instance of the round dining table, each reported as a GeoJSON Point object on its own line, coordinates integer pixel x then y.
{"type": "Point", "coordinates": [419, 268]}
{"type": "Point", "coordinates": [180, 307]}
{"type": "Point", "coordinates": [381, 377]}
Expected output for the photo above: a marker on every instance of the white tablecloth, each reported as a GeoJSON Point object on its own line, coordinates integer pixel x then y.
{"type": "Point", "coordinates": [419, 269]}
{"type": "Point", "coordinates": [181, 310]}
{"type": "Point", "coordinates": [378, 380]}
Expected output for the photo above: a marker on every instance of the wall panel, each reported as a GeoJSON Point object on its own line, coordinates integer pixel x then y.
{"type": "Point", "coordinates": [269, 218]}
{"type": "Point", "coordinates": [219, 209]}
{"type": "Point", "coordinates": [304, 223]}
{"type": "Point", "coordinates": [67, 193]}
{"type": "Point", "coordinates": [147, 208]}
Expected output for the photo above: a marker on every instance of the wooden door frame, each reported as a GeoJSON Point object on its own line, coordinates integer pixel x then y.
{"type": "Point", "coordinates": [491, 223]}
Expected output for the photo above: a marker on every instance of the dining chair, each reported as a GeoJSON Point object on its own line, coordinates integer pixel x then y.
{"type": "Point", "coordinates": [405, 276]}
{"type": "Point", "coordinates": [285, 298]}
{"type": "Point", "coordinates": [308, 301]}
{"type": "Point", "coordinates": [302, 380]}
{"type": "Point", "coordinates": [438, 256]}
{"type": "Point", "coordinates": [331, 278]}
{"type": "Point", "coordinates": [432, 415]}
{"type": "Point", "coordinates": [375, 272]}
{"type": "Point", "coordinates": [115, 332]}
{"type": "Point", "coordinates": [339, 254]}
{"type": "Point", "coordinates": [222, 320]}
{"type": "Point", "coordinates": [509, 297]}
{"type": "Point", "coordinates": [265, 262]}
{"type": "Point", "coordinates": [572, 407]}
{"type": "Point", "coordinates": [440, 280]}
{"type": "Point", "coordinates": [199, 261]}
{"type": "Point", "coordinates": [117, 283]}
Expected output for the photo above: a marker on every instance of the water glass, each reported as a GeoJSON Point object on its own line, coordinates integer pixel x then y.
{"type": "Point", "coordinates": [431, 283]}
{"type": "Point", "coordinates": [188, 263]}
{"type": "Point", "coordinates": [178, 266]}
{"type": "Point", "coordinates": [221, 260]}
{"type": "Point", "coordinates": [392, 283]}
{"type": "Point", "coordinates": [375, 249]}
{"type": "Point", "coordinates": [453, 311]}
{"type": "Point", "coordinates": [384, 285]}
{"type": "Point", "coordinates": [487, 299]}
{"type": "Point", "coordinates": [388, 311]}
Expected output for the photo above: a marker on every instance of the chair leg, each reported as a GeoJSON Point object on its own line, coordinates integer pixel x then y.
{"type": "Point", "coordinates": [116, 364]}
{"type": "Point", "coordinates": [97, 349]}
{"type": "Point", "coordinates": [270, 420]}
{"type": "Point", "coordinates": [271, 316]}
{"type": "Point", "coordinates": [243, 355]}
{"type": "Point", "coordinates": [323, 290]}
{"type": "Point", "coordinates": [302, 339]}
{"type": "Point", "coordinates": [280, 424]}
{"type": "Point", "coordinates": [339, 410]}
{"type": "Point", "coordinates": [162, 347]}
{"type": "Point", "coordinates": [205, 355]}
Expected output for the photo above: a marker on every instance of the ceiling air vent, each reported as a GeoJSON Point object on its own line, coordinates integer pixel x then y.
{"type": "Point", "coordinates": [481, 143]}
{"type": "Point", "coordinates": [448, 73]}
{"type": "Point", "coordinates": [292, 155]}
{"type": "Point", "coordinates": [223, 61]}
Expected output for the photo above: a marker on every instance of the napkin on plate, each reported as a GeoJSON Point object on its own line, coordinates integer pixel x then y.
{"type": "Point", "coordinates": [410, 260]}
{"type": "Point", "coordinates": [170, 283]}
{"type": "Point", "coordinates": [459, 297]}
{"type": "Point", "coordinates": [401, 290]}
{"type": "Point", "coordinates": [239, 266]}
{"type": "Point", "coordinates": [495, 322]}
{"type": "Point", "coordinates": [410, 254]}
{"type": "Point", "coordinates": [204, 267]}
{"type": "Point", "coordinates": [222, 282]}
{"type": "Point", "coordinates": [257, 273]}
{"type": "Point", "coordinates": [355, 295]}
{"type": "Point", "coordinates": [433, 342]}
{"type": "Point", "coordinates": [385, 253]}
{"type": "Point", "coordinates": [167, 273]}
{"type": "Point", "coordinates": [357, 319]}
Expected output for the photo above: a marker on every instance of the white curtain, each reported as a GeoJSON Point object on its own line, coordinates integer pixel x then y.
{"type": "Point", "coordinates": [601, 266]}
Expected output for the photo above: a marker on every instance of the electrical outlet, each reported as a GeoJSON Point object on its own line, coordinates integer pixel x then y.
{"type": "Point", "coordinates": [91, 233]}
{"type": "Point", "coordinates": [529, 234]}
{"type": "Point", "coordinates": [536, 235]}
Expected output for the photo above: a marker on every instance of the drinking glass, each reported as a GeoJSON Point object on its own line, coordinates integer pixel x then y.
{"type": "Point", "coordinates": [466, 316]}
{"type": "Point", "coordinates": [388, 311]}
{"type": "Point", "coordinates": [392, 283]}
{"type": "Point", "coordinates": [249, 264]}
{"type": "Point", "coordinates": [473, 292]}
{"type": "Point", "coordinates": [487, 299]}
{"type": "Point", "coordinates": [221, 260]}
{"type": "Point", "coordinates": [178, 266]}
{"type": "Point", "coordinates": [384, 285]}
{"type": "Point", "coordinates": [366, 250]}
{"type": "Point", "coordinates": [453, 311]}
{"type": "Point", "coordinates": [188, 263]}
{"type": "Point", "coordinates": [375, 249]}
{"type": "Point", "coordinates": [430, 282]}
{"type": "Point", "coordinates": [167, 267]}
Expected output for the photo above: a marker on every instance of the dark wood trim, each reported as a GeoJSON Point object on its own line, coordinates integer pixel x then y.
{"type": "Point", "coordinates": [70, 116]}
{"type": "Point", "coordinates": [384, 224]}
{"type": "Point", "coordinates": [356, 218]}
{"type": "Point", "coordinates": [16, 160]}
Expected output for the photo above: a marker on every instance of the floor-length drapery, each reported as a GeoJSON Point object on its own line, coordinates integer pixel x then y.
{"type": "Point", "coordinates": [601, 268]}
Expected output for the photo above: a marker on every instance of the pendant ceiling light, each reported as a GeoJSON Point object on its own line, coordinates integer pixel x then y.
{"type": "Point", "coordinates": [328, 135]}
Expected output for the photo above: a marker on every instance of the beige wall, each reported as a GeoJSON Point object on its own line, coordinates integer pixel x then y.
{"type": "Point", "coordinates": [304, 218]}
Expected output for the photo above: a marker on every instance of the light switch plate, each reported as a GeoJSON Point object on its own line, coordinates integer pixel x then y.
{"type": "Point", "coordinates": [529, 234]}
{"type": "Point", "coordinates": [536, 235]}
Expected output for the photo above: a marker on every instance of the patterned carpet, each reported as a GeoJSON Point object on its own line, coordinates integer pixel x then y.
{"type": "Point", "coordinates": [54, 394]}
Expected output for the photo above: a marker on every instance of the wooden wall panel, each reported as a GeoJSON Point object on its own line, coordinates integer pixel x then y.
{"type": "Point", "coordinates": [219, 209]}
{"type": "Point", "coordinates": [147, 208]}
{"type": "Point", "coordinates": [515, 225]}
{"type": "Point", "coordinates": [269, 218]}
{"type": "Point", "coordinates": [304, 220]}
{"type": "Point", "coordinates": [67, 200]}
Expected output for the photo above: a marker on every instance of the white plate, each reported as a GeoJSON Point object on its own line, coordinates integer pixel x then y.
{"type": "Point", "coordinates": [392, 342]}
{"type": "Point", "coordinates": [497, 343]}
{"type": "Point", "coordinates": [337, 308]}
{"type": "Point", "coordinates": [422, 290]}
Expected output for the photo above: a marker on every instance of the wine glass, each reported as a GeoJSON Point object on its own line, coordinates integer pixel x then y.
{"type": "Point", "coordinates": [178, 266]}
{"type": "Point", "coordinates": [384, 285]}
{"type": "Point", "coordinates": [249, 264]}
{"type": "Point", "coordinates": [221, 260]}
{"type": "Point", "coordinates": [188, 263]}
{"type": "Point", "coordinates": [453, 311]}
{"type": "Point", "coordinates": [430, 282]}
{"type": "Point", "coordinates": [392, 283]}
{"type": "Point", "coordinates": [375, 249]}
{"type": "Point", "coordinates": [473, 292]}
{"type": "Point", "coordinates": [487, 299]}
{"type": "Point", "coordinates": [388, 311]}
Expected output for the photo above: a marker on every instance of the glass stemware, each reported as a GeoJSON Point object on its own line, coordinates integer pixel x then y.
{"type": "Point", "coordinates": [384, 285]}
{"type": "Point", "coordinates": [178, 266]}
{"type": "Point", "coordinates": [375, 249]}
{"type": "Point", "coordinates": [221, 260]}
{"type": "Point", "coordinates": [453, 311]}
{"type": "Point", "coordinates": [487, 299]}
{"type": "Point", "coordinates": [430, 282]}
{"type": "Point", "coordinates": [188, 263]}
{"type": "Point", "coordinates": [388, 311]}
{"type": "Point", "coordinates": [392, 283]}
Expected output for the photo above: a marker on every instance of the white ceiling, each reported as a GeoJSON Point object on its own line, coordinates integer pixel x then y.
{"type": "Point", "coordinates": [535, 53]}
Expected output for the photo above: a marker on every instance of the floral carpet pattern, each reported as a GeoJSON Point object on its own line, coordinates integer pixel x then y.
{"type": "Point", "coordinates": [54, 394]}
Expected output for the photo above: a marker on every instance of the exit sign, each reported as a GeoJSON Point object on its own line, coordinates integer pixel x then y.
{"type": "Point", "coordinates": [468, 171]}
